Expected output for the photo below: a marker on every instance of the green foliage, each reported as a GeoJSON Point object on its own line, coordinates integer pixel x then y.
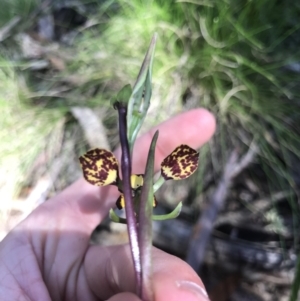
{"type": "Point", "coordinates": [14, 8]}
{"type": "Point", "coordinates": [23, 134]}
{"type": "Point", "coordinates": [121, 39]}
{"type": "Point", "coordinates": [238, 60]}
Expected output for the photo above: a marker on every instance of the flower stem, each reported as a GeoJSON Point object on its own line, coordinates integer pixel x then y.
{"type": "Point", "coordinates": [129, 208]}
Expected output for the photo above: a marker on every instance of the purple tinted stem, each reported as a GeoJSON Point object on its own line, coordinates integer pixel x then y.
{"type": "Point", "coordinates": [129, 208]}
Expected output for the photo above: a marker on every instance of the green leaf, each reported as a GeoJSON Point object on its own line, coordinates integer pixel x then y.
{"type": "Point", "coordinates": [170, 215]}
{"type": "Point", "coordinates": [115, 218]}
{"type": "Point", "coordinates": [145, 224]}
{"type": "Point", "coordinates": [139, 101]}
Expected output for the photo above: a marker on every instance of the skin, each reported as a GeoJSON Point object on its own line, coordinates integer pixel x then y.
{"type": "Point", "coordinates": [48, 256]}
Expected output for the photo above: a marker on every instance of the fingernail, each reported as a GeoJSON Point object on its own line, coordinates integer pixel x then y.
{"type": "Point", "coordinates": [193, 288]}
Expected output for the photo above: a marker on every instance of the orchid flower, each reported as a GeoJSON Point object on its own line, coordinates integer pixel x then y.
{"type": "Point", "coordinates": [101, 168]}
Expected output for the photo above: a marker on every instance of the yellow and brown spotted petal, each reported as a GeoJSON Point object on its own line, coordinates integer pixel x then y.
{"type": "Point", "coordinates": [120, 203]}
{"type": "Point", "coordinates": [99, 166]}
{"type": "Point", "coordinates": [180, 164]}
{"type": "Point", "coordinates": [137, 181]}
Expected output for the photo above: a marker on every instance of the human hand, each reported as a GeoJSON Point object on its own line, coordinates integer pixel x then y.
{"type": "Point", "coordinates": [48, 256]}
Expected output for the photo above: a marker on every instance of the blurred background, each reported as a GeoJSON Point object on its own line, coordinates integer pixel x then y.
{"type": "Point", "coordinates": [61, 61]}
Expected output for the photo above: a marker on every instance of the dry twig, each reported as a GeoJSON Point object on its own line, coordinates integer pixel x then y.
{"type": "Point", "coordinates": [92, 126]}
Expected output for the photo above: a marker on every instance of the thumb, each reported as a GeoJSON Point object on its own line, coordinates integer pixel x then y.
{"type": "Point", "coordinates": [112, 273]}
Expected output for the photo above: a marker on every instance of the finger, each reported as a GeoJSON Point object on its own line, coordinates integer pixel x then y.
{"type": "Point", "coordinates": [112, 273]}
{"type": "Point", "coordinates": [88, 204]}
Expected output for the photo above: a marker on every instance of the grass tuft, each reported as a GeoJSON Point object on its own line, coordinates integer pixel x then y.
{"type": "Point", "coordinates": [24, 132]}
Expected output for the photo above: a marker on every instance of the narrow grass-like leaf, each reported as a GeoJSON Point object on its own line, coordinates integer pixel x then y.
{"type": "Point", "coordinates": [170, 215]}
{"type": "Point", "coordinates": [145, 224]}
{"type": "Point", "coordinates": [139, 101]}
